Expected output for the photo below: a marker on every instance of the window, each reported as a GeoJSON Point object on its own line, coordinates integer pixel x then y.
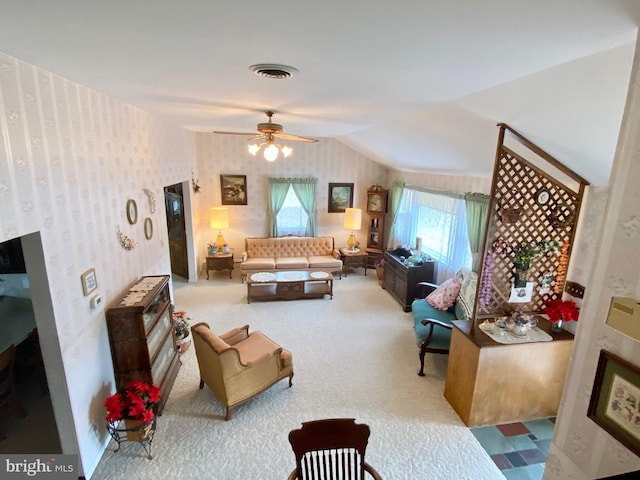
{"type": "Point", "coordinates": [292, 219]}
{"type": "Point", "coordinates": [440, 220]}
{"type": "Point", "coordinates": [292, 207]}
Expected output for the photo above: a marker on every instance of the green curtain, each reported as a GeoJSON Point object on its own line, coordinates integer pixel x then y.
{"type": "Point", "coordinates": [305, 190]}
{"type": "Point", "coordinates": [397, 190]}
{"type": "Point", "coordinates": [477, 205]}
{"type": "Point", "coordinates": [278, 188]}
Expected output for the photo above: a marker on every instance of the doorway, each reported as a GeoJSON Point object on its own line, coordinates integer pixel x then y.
{"type": "Point", "coordinates": [174, 206]}
{"type": "Point", "coordinates": [33, 430]}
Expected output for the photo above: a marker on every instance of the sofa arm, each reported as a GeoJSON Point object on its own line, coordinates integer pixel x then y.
{"type": "Point", "coordinates": [244, 257]}
{"type": "Point", "coordinates": [424, 288]}
{"type": "Point", "coordinates": [236, 335]}
{"type": "Point", "coordinates": [433, 321]}
{"type": "Point", "coordinates": [337, 254]}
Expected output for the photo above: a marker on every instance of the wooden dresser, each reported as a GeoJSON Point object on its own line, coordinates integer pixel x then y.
{"type": "Point", "coordinates": [400, 280]}
{"type": "Point", "coordinates": [141, 335]}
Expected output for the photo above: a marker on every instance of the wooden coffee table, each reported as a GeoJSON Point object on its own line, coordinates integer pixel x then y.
{"type": "Point", "coordinates": [289, 285]}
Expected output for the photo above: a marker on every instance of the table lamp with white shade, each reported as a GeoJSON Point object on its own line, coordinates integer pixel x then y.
{"type": "Point", "coordinates": [219, 221]}
{"type": "Point", "coordinates": [352, 221]}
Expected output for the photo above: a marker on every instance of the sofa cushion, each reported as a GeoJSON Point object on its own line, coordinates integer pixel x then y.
{"type": "Point", "coordinates": [259, 263]}
{"type": "Point", "coordinates": [324, 261]}
{"type": "Point", "coordinates": [288, 263]}
{"type": "Point", "coordinates": [445, 295]}
{"type": "Point", "coordinates": [256, 345]}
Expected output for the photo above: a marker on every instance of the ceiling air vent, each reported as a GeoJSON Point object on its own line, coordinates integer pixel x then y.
{"type": "Point", "coordinates": [270, 70]}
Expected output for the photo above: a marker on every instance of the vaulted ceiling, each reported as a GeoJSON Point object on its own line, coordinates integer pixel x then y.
{"type": "Point", "coordinates": [413, 84]}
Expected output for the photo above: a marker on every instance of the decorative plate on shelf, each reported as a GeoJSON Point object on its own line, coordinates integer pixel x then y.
{"type": "Point", "coordinates": [263, 277]}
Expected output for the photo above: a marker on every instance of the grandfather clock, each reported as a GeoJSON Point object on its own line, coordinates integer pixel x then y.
{"type": "Point", "coordinates": [377, 209]}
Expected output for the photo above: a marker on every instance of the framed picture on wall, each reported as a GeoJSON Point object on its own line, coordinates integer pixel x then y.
{"type": "Point", "coordinates": [233, 189]}
{"type": "Point", "coordinates": [614, 400]}
{"type": "Point", "coordinates": [89, 281]}
{"type": "Point", "coordinates": [340, 197]}
{"type": "Point", "coordinates": [11, 258]}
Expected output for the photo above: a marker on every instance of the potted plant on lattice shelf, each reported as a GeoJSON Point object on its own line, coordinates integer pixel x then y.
{"type": "Point", "coordinates": [523, 254]}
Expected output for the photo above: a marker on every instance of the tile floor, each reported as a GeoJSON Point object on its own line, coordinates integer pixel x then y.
{"type": "Point", "coordinates": [518, 449]}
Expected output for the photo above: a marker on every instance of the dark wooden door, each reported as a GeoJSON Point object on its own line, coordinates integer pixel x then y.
{"type": "Point", "coordinates": [174, 207]}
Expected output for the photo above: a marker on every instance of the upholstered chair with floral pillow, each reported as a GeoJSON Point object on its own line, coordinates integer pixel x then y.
{"type": "Point", "coordinates": [432, 316]}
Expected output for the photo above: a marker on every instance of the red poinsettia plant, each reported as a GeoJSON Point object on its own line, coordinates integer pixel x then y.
{"type": "Point", "coordinates": [564, 310]}
{"type": "Point", "coordinates": [137, 401]}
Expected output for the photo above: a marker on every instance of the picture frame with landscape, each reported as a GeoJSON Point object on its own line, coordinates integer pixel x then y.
{"type": "Point", "coordinates": [233, 189]}
{"type": "Point", "coordinates": [340, 197]}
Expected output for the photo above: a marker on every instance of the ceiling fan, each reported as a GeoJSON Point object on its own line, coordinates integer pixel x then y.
{"type": "Point", "coordinates": [269, 132]}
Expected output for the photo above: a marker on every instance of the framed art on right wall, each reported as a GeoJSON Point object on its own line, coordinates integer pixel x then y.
{"type": "Point", "coordinates": [614, 400]}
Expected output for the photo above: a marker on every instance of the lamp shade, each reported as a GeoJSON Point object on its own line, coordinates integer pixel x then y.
{"type": "Point", "coordinates": [219, 218]}
{"type": "Point", "coordinates": [352, 218]}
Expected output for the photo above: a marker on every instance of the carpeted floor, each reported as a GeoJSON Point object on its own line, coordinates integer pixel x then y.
{"type": "Point", "coordinates": [354, 356]}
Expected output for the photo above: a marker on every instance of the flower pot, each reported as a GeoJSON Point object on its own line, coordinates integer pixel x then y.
{"type": "Point", "coordinates": [380, 274]}
{"type": "Point", "coordinates": [520, 278]}
{"type": "Point", "coordinates": [183, 344]}
{"type": "Point", "coordinates": [137, 430]}
{"type": "Point", "coordinates": [557, 326]}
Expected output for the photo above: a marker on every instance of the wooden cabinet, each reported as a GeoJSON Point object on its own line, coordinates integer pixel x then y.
{"type": "Point", "coordinates": [400, 280]}
{"type": "Point", "coordinates": [490, 383]}
{"type": "Point", "coordinates": [141, 336]}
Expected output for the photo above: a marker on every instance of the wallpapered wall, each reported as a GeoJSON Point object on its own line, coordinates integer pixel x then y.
{"type": "Point", "coordinates": [69, 160]}
{"type": "Point", "coordinates": [329, 161]}
{"type": "Point", "coordinates": [580, 449]}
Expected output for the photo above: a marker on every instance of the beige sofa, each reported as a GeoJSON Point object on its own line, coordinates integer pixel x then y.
{"type": "Point", "coordinates": [239, 365]}
{"type": "Point", "coordinates": [289, 253]}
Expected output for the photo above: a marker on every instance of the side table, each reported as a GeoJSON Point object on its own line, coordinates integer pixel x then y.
{"type": "Point", "coordinates": [219, 262]}
{"type": "Point", "coordinates": [357, 259]}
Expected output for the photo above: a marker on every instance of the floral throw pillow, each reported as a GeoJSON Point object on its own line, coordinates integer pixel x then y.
{"type": "Point", "coordinates": [445, 295]}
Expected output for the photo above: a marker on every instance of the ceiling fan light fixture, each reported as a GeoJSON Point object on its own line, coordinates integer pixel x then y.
{"type": "Point", "coordinates": [253, 149]}
{"type": "Point", "coordinates": [273, 70]}
{"type": "Point", "coordinates": [271, 153]}
{"type": "Point", "coordinates": [286, 151]}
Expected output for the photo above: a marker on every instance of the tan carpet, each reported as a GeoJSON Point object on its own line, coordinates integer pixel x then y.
{"type": "Point", "coordinates": [354, 356]}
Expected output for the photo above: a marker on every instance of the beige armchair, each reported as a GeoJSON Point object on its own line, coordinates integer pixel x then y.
{"type": "Point", "coordinates": [239, 365]}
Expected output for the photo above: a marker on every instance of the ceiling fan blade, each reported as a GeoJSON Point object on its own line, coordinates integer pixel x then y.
{"type": "Point", "coordinates": [296, 138]}
{"type": "Point", "coordinates": [246, 134]}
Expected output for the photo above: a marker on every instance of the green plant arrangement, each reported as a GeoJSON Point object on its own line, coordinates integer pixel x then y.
{"type": "Point", "coordinates": [525, 253]}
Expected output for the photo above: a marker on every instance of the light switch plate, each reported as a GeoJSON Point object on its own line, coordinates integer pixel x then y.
{"type": "Point", "coordinates": [624, 316]}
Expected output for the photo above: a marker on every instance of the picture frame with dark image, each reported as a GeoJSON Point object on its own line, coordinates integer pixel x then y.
{"type": "Point", "coordinates": [233, 189]}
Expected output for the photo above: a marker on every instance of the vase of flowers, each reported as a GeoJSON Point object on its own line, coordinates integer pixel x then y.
{"type": "Point", "coordinates": [181, 331]}
{"type": "Point", "coordinates": [212, 248]}
{"type": "Point", "coordinates": [136, 406]}
{"type": "Point", "coordinates": [560, 311]}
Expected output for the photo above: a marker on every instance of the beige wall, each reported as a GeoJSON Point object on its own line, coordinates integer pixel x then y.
{"type": "Point", "coordinates": [580, 449]}
{"type": "Point", "coordinates": [329, 161]}
{"type": "Point", "coordinates": [69, 160]}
